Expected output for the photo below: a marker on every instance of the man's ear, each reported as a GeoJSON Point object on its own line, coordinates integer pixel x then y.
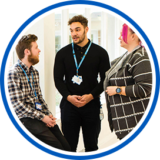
{"type": "Point", "coordinates": [87, 28]}
{"type": "Point", "coordinates": [27, 52]}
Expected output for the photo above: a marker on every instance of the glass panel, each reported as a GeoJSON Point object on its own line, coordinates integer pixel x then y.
{"type": "Point", "coordinates": [12, 59]}
{"type": "Point", "coordinates": [70, 39]}
{"type": "Point", "coordinates": [76, 11]}
{"type": "Point", "coordinates": [57, 31]}
{"type": "Point", "coordinates": [96, 25]}
{"type": "Point", "coordinates": [96, 31]}
{"type": "Point", "coordinates": [58, 14]}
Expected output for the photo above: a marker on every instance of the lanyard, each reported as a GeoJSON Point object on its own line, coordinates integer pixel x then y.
{"type": "Point", "coordinates": [29, 81]}
{"type": "Point", "coordinates": [78, 66]}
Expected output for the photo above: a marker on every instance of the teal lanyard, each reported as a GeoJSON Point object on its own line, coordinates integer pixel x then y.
{"type": "Point", "coordinates": [78, 66]}
{"type": "Point", "coordinates": [30, 82]}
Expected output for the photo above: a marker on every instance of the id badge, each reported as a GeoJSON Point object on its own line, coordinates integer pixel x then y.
{"type": "Point", "coordinates": [74, 79]}
{"type": "Point", "coordinates": [77, 79]}
{"type": "Point", "coordinates": [38, 106]}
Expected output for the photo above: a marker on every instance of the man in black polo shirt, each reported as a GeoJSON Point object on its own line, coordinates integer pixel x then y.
{"type": "Point", "coordinates": [76, 70]}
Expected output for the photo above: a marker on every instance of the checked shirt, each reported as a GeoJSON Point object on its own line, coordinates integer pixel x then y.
{"type": "Point", "coordinates": [21, 94]}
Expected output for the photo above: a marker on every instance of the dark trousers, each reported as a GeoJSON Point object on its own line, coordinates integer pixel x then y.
{"type": "Point", "coordinates": [51, 136]}
{"type": "Point", "coordinates": [87, 117]}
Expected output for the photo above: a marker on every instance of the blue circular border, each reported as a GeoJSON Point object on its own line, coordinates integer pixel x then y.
{"type": "Point", "coordinates": [85, 2]}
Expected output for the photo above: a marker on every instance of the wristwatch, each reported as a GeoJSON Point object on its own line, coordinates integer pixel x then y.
{"type": "Point", "coordinates": [118, 90]}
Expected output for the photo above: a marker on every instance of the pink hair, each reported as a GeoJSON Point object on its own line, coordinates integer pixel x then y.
{"type": "Point", "coordinates": [124, 32]}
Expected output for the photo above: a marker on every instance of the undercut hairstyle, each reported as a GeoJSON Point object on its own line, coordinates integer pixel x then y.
{"type": "Point", "coordinates": [80, 19]}
{"type": "Point", "coordinates": [125, 33]}
{"type": "Point", "coordinates": [25, 43]}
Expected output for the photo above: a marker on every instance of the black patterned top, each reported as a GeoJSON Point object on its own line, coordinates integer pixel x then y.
{"type": "Point", "coordinates": [134, 72]}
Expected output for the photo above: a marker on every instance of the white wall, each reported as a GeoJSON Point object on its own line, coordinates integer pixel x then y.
{"type": "Point", "coordinates": [49, 56]}
{"type": "Point", "coordinates": [38, 30]}
{"type": "Point", "coordinates": [44, 30]}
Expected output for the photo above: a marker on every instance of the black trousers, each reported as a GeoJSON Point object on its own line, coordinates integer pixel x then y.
{"type": "Point", "coordinates": [51, 136]}
{"type": "Point", "coordinates": [87, 117]}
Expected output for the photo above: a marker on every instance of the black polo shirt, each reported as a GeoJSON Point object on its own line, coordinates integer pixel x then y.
{"type": "Point", "coordinates": [96, 62]}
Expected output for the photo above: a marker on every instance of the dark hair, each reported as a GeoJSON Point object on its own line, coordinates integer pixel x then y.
{"type": "Point", "coordinates": [80, 19]}
{"type": "Point", "coordinates": [25, 43]}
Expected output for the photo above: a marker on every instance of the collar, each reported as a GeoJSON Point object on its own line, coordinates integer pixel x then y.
{"type": "Point", "coordinates": [120, 62]}
{"type": "Point", "coordinates": [25, 67]}
{"type": "Point", "coordinates": [76, 47]}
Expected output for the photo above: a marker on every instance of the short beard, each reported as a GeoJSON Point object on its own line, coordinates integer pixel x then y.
{"type": "Point", "coordinates": [32, 59]}
{"type": "Point", "coordinates": [81, 40]}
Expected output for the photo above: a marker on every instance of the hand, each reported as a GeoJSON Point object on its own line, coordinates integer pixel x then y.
{"type": "Point", "coordinates": [49, 120]}
{"type": "Point", "coordinates": [111, 90]}
{"type": "Point", "coordinates": [53, 118]}
{"type": "Point", "coordinates": [53, 123]}
{"type": "Point", "coordinates": [86, 98]}
{"type": "Point", "coordinates": [75, 100]}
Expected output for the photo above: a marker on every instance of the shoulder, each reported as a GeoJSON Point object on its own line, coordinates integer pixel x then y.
{"type": "Point", "coordinates": [139, 54]}
{"type": "Point", "coordinates": [14, 70]}
{"type": "Point", "coordinates": [35, 71]}
{"type": "Point", "coordinates": [115, 60]}
{"type": "Point", "coordinates": [62, 51]}
{"type": "Point", "coordinates": [98, 48]}
{"type": "Point", "coordinates": [99, 51]}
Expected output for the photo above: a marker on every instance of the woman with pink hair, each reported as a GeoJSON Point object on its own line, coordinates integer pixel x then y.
{"type": "Point", "coordinates": [128, 84]}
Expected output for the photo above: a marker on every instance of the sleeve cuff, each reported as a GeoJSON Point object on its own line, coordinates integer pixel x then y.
{"type": "Point", "coordinates": [129, 91]}
{"type": "Point", "coordinates": [41, 116]}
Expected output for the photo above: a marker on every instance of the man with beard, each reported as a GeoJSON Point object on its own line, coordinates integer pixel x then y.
{"type": "Point", "coordinates": [76, 70]}
{"type": "Point", "coordinates": [26, 96]}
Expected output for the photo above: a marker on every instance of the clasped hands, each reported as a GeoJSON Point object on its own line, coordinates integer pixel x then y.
{"type": "Point", "coordinates": [80, 101]}
{"type": "Point", "coordinates": [50, 121]}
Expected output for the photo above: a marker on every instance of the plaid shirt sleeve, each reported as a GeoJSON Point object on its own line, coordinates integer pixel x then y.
{"type": "Point", "coordinates": [18, 99]}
